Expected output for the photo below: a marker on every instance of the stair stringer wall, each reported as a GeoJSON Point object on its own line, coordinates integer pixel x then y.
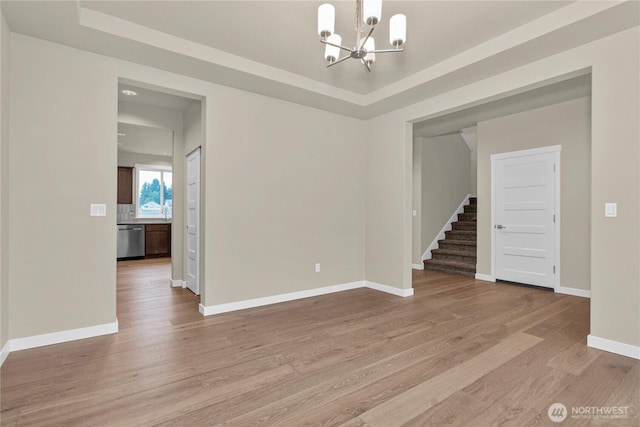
{"type": "Point", "coordinates": [447, 227]}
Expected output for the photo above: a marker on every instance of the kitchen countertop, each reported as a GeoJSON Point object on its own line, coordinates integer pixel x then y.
{"type": "Point", "coordinates": [144, 222]}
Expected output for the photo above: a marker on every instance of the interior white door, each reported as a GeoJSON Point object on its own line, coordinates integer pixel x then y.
{"type": "Point", "coordinates": [524, 217]}
{"type": "Point", "coordinates": [192, 237]}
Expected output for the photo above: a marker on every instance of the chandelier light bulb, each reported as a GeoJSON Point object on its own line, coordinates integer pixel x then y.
{"type": "Point", "coordinates": [326, 20]}
{"type": "Point", "coordinates": [331, 53]}
{"type": "Point", "coordinates": [371, 11]}
{"type": "Point", "coordinates": [398, 30]}
{"type": "Point", "coordinates": [370, 46]}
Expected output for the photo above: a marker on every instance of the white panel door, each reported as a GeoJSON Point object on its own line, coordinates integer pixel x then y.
{"type": "Point", "coordinates": [524, 217]}
{"type": "Point", "coordinates": [192, 237]}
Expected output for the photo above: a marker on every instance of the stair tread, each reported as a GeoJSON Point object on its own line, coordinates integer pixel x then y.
{"type": "Point", "coordinates": [470, 232]}
{"type": "Point", "coordinates": [460, 242]}
{"type": "Point", "coordinates": [452, 264]}
{"type": "Point", "coordinates": [445, 251]}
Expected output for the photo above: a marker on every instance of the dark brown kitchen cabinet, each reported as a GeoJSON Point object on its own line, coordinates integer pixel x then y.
{"type": "Point", "coordinates": [125, 185]}
{"type": "Point", "coordinates": [157, 240]}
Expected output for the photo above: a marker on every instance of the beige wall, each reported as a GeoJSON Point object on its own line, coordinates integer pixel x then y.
{"type": "Point", "coordinates": [130, 159]}
{"type": "Point", "coordinates": [389, 160]}
{"type": "Point", "coordinates": [63, 137]}
{"type": "Point", "coordinates": [5, 47]}
{"type": "Point", "coordinates": [446, 182]}
{"type": "Point", "coordinates": [280, 194]}
{"type": "Point", "coordinates": [615, 177]}
{"type": "Point", "coordinates": [192, 127]}
{"type": "Point", "coordinates": [567, 124]}
{"type": "Point", "coordinates": [416, 247]}
{"type": "Point", "coordinates": [615, 242]}
{"type": "Point", "coordinates": [471, 134]}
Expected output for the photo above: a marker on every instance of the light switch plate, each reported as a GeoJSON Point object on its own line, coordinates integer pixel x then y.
{"type": "Point", "coordinates": [415, 213]}
{"type": "Point", "coordinates": [98, 209]}
{"type": "Point", "coordinates": [610, 210]}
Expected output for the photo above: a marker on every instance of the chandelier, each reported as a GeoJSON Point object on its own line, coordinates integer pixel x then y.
{"type": "Point", "coordinates": [368, 14]}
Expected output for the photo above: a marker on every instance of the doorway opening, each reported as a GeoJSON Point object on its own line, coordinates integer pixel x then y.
{"type": "Point", "coordinates": [156, 127]}
{"type": "Point", "coordinates": [556, 114]}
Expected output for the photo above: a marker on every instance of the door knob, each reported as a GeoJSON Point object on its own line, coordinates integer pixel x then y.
{"type": "Point", "coordinates": [500, 226]}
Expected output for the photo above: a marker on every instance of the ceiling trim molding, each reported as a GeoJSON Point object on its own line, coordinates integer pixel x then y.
{"type": "Point", "coordinates": [546, 24]}
{"type": "Point", "coordinates": [118, 27]}
{"type": "Point", "coordinates": [519, 36]}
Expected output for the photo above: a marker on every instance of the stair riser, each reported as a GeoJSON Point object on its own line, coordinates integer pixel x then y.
{"type": "Point", "coordinates": [464, 226]}
{"type": "Point", "coordinates": [471, 209]}
{"type": "Point", "coordinates": [471, 258]}
{"type": "Point", "coordinates": [467, 217]}
{"type": "Point", "coordinates": [449, 270]}
{"type": "Point", "coordinates": [454, 236]}
{"type": "Point", "coordinates": [457, 247]}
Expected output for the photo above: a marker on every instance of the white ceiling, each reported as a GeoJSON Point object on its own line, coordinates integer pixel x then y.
{"type": "Point", "coordinates": [145, 140]}
{"type": "Point", "coordinates": [153, 98]}
{"type": "Point", "coordinates": [271, 47]}
{"type": "Point", "coordinates": [282, 34]}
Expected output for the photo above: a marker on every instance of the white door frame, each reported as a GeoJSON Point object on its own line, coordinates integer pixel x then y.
{"type": "Point", "coordinates": [542, 150]}
{"type": "Point", "coordinates": [197, 152]}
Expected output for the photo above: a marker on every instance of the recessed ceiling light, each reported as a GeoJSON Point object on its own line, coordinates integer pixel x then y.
{"type": "Point", "coordinates": [122, 134]}
{"type": "Point", "coordinates": [129, 92]}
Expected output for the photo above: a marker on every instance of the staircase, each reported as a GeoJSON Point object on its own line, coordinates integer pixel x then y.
{"type": "Point", "coordinates": [457, 252]}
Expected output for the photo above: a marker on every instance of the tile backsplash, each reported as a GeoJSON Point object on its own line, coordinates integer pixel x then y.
{"type": "Point", "coordinates": [125, 212]}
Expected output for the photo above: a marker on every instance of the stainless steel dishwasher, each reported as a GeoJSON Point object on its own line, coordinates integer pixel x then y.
{"type": "Point", "coordinates": [130, 241]}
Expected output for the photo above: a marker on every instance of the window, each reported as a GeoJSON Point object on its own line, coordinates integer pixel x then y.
{"type": "Point", "coordinates": [154, 192]}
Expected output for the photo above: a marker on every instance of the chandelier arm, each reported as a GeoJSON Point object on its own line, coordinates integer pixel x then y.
{"type": "Point", "coordinates": [366, 38]}
{"type": "Point", "coordinates": [335, 45]}
{"type": "Point", "coordinates": [344, 58]}
{"type": "Point", "coordinates": [365, 64]}
{"type": "Point", "coordinates": [386, 51]}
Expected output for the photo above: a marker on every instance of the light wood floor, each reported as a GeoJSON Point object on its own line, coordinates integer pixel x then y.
{"type": "Point", "coordinates": [460, 352]}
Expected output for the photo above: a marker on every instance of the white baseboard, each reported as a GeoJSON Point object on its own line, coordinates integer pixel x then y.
{"type": "Point", "coordinates": [573, 291]}
{"type": "Point", "coordinates": [613, 346]}
{"type": "Point", "coordinates": [389, 289]}
{"type": "Point", "coordinates": [177, 283]}
{"type": "Point", "coordinates": [485, 277]}
{"type": "Point", "coordinates": [4, 353]}
{"type": "Point", "coordinates": [62, 336]}
{"type": "Point", "coordinates": [447, 227]}
{"type": "Point", "coordinates": [275, 299]}
{"type": "Point", "coordinates": [417, 266]}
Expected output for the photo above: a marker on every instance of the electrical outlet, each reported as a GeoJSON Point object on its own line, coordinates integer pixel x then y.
{"type": "Point", "coordinates": [318, 268]}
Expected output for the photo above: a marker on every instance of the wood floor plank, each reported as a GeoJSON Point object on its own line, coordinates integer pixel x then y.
{"type": "Point", "coordinates": [459, 352]}
{"type": "Point", "coordinates": [416, 400]}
